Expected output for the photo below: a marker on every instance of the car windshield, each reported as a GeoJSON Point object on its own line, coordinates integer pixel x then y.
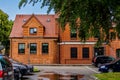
{"type": "Point", "coordinates": [111, 58]}
{"type": "Point", "coordinates": [114, 61]}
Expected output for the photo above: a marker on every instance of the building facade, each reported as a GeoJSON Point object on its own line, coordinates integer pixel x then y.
{"type": "Point", "coordinates": [38, 39]}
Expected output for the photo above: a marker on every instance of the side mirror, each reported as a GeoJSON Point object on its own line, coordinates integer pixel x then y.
{"type": "Point", "coordinates": [117, 63]}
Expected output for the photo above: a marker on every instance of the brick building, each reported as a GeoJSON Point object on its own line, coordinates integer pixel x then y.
{"type": "Point", "coordinates": [37, 39]}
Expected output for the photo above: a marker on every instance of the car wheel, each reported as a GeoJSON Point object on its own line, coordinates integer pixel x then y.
{"type": "Point", "coordinates": [99, 64]}
{"type": "Point", "coordinates": [110, 70]}
{"type": "Point", "coordinates": [20, 75]}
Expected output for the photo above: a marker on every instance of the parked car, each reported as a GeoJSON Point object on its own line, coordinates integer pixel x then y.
{"type": "Point", "coordinates": [113, 66]}
{"type": "Point", "coordinates": [17, 73]}
{"type": "Point", "coordinates": [29, 67]}
{"type": "Point", "coordinates": [23, 69]}
{"type": "Point", "coordinates": [6, 69]}
{"type": "Point", "coordinates": [99, 60]}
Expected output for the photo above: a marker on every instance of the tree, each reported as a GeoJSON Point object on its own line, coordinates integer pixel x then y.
{"type": "Point", "coordinates": [5, 28]}
{"type": "Point", "coordinates": [96, 16]}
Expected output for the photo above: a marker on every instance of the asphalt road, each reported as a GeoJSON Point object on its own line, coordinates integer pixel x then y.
{"type": "Point", "coordinates": [63, 73]}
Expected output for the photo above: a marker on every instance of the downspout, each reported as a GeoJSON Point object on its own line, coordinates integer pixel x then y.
{"type": "Point", "coordinates": [11, 47]}
{"type": "Point", "coordinates": [58, 32]}
{"type": "Point", "coordinates": [59, 44]}
{"type": "Point", "coordinates": [59, 50]}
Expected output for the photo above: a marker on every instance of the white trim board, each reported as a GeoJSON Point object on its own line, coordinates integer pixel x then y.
{"type": "Point", "coordinates": [62, 43]}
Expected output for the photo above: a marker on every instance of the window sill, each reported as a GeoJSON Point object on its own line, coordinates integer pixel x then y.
{"type": "Point", "coordinates": [44, 53]}
{"type": "Point", "coordinates": [21, 53]}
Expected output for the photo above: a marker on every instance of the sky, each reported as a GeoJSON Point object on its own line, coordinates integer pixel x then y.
{"type": "Point", "coordinates": [11, 8]}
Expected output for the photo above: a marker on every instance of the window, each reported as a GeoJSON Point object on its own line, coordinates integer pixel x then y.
{"type": "Point", "coordinates": [112, 35]}
{"type": "Point", "coordinates": [118, 35]}
{"type": "Point", "coordinates": [45, 48]}
{"type": "Point", "coordinates": [97, 36]}
{"type": "Point", "coordinates": [33, 30]}
{"type": "Point", "coordinates": [33, 48]}
{"type": "Point", "coordinates": [21, 48]}
{"type": "Point", "coordinates": [73, 52]}
{"type": "Point", "coordinates": [98, 51]}
{"type": "Point", "coordinates": [85, 52]}
{"type": "Point", "coordinates": [97, 33]}
{"type": "Point", "coordinates": [73, 34]}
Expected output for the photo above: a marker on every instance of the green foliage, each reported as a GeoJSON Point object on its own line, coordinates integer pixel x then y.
{"type": "Point", "coordinates": [108, 76]}
{"type": "Point", "coordinates": [5, 28]}
{"type": "Point", "coordinates": [96, 16]}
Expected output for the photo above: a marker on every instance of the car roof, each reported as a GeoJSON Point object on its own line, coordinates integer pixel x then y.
{"type": "Point", "coordinates": [116, 60]}
{"type": "Point", "coordinates": [103, 56]}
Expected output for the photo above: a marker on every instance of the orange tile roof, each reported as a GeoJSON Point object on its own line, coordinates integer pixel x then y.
{"type": "Point", "coordinates": [50, 27]}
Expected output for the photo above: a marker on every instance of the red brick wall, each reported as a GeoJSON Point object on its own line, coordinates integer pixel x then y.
{"type": "Point", "coordinates": [65, 54]}
{"type": "Point", "coordinates": [109, 50]}
{"type": "Point", "coordinates": [38, 58]}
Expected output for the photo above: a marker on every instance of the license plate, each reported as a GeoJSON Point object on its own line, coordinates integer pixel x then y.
{"type": "Point", "coordinates": [9, 73]}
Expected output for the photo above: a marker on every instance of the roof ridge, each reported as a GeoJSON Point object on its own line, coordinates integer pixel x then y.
{"type": "Point", "coordinates": [36, 14]}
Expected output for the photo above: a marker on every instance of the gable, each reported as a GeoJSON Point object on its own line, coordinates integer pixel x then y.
{"type": "Point", "coordinates": [33, 21]}
{"type": "Point", "coordinates": [33, 24]}
{"type": "Point", "coordinates": [23, 22]}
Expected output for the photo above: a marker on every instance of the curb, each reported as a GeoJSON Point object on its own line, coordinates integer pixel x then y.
{"type": "Point", "coordinates": [61, 64]}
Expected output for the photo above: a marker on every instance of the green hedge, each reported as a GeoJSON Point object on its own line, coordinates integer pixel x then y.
{"type": "Point", "coordinates": [108, 76]}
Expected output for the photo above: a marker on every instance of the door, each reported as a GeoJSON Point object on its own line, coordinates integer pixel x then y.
{"type": "Point", "coordinates": [116, 66]}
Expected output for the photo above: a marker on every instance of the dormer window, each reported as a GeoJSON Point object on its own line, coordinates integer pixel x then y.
{"type": "Point", "coordinates": [33, 30]}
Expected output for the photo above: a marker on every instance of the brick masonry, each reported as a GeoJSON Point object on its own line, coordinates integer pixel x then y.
{"type": "Point", "coordinates": [59, 42]}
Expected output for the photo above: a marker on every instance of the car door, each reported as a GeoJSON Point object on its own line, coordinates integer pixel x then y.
{"type": "Point", "coordinates": [7, 69]}
{"type": "Point", "coordinates": [116, 66]}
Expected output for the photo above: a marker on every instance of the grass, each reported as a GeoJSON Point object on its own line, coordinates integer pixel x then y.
{"type": "Point", "coordinates": [108, 76]}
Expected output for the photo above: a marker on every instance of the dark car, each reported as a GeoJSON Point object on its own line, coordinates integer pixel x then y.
{"type": "Point", "coordinates": [99, 60]}
{"type": "Point", "coordinates": [23, 69]}
{"type": "Point", "coordinates": [6, 69]}
{"type": "Point", "coordinates": [29, 67]}
{"type": "Point", "coordinates": [114, 66]}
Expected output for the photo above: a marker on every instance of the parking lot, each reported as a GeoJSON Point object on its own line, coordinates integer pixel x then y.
{"type": "Point", "coordinates": [63, 73]}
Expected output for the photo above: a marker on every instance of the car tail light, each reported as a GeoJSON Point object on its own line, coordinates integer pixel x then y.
{"type": "Point", "coordinates": [94, 59]}
{"type": "Point", "coordinates": [1, 74]}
